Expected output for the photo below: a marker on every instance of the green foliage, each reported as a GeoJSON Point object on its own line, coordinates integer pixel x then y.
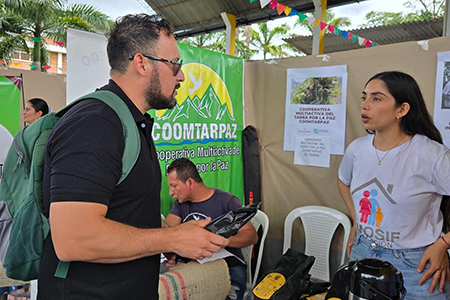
{"type": "Point", "coordinates": [217, 42]}
{"type": "Point", "coordinates": [262, 39]}
{"type": "Point", "coordinates": [317, 90]}
{"type": "Point", "coordinates": [420, 10]}
{"type": "Point", "coordinates": [43, 18]}
{"type": "Point", "coordinates": [446, 73]}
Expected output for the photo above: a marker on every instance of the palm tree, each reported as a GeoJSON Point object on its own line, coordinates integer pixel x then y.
{"type": "Point", "coordinates": [420, 10]}
{"type": "Point", "coordinates": [330, 19]}
{"type": "Point", "coordinates": [217, 42]}
{"type": "Point", "coordinates": [263, 39]}
{"type": "Point", "coordinates": [35, 19]}
{"type": "Point", "coordinates": [200, 41]}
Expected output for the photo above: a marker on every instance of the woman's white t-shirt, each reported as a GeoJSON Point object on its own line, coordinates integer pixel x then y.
{"type": "Point", "coordinates": [397, 204]}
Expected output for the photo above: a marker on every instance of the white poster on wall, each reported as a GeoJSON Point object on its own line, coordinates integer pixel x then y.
{"type": "Point", "coordinates": [442, 97]}
{"type": "Point", "coordinates": [87, 63]}
{"type": "Point", "coordinates": [312, 150]}
{"type": "Point", "coordinates": [316, 105]}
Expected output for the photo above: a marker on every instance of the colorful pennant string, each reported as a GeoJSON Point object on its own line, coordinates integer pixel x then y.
{"type": "Point", "coordinates": [301, 16]}
{"type": "Point", "coordinates": [315, 22]}
{"type": "Point", "coordinates": [287, 11]}
{"type": "Point", "coordinates": [37, 40]}
{"type": "Point", "coordinates": [264, 3]}
{"type": "Point", "coordinates": [16, 64]}
{"type": "Point", "coordinates": [61, 44]}
{"type": "Point", "coordinates": [33, 66]}
{"type": "Point", "coordinates": [280, 8]}
{"type": "Point", "coordinates": [273, 4]}
{"type": "Point", "coordinates": [331, 29]}
{"type": "Point", "coordinates": [46, 67]}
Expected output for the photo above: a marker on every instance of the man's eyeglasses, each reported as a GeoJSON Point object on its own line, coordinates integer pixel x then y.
{"type": "Point", "coordinates": [176, 65]}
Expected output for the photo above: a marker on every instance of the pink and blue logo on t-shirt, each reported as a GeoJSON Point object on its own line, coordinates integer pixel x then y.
{"type": "Point", "coordinates": [370, 209]}
{"type": "Point", "coordinates": [369, 199]}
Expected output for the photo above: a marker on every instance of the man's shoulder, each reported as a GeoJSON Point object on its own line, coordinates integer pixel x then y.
{"type": "Point", "coordinates": [90, 110]}
{"type": "Point", "coordinates": [223, 194]}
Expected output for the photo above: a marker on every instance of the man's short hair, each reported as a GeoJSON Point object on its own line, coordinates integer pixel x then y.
{"type": "Point", "coordinates": [185, 169]}
{"type": "Point", "coordinates": [131, 34]}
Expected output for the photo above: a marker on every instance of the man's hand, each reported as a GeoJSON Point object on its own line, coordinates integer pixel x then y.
{"type": "Point", "coordinates": [170, 262]}
{"type": "Point", "coordinates": [193, 241]}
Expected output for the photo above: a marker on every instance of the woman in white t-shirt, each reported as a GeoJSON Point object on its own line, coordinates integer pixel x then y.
{"type": "Point", "coordinates": [393, 181]}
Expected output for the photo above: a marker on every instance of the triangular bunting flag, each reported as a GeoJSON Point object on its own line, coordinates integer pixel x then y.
{"type": "Point", "coordinates": [350, 36]}
{"type": "Point", "coordinates": [354, 38]}
{"type": "Point", "coordinates": [264, 3]}
{"type": "Point", "coordinates": [331, 29]}
{"type": "Point", "coordinates": [2, 62]}
{"type": "Point", "coordinates": [251, 1]}
{"type": "Point", "coordinates": [293, 12]}
{"type": "Point", "coordinates": [287, 11]}
{"type": "Point", "coordinates": [337, 31]}
{"type": "Point", "coordinates": [33, 66]}
{"type": "Point", "coordinates": [344, 34]}
{"type": "Point", "coordinates": [361, 40]}
{"type": "Point", "coordinates": [311, 20]}
{"type": "Point", "coordinates": [46, 67]}
{"type": "Point", "coordinates": [280, 8]}
{"type": "Point", "coordinates": [12, 33]}
{"type": "Point", "coordinates": [16, 64]}
{"type": "Point", "coordinates": [301, 16]}
{"type": "Point", "coordinates": [369, 43]}
{"type": "Point", "coordinates": [61, 44]}
{"type": "Point", "coordinates": [35, 39]}
{"type": "Point", "coordinates": [374, 44]}
{"type": "Point", "coordinates": [273, 4]}
{"type": "Point", "coordinates": [323, 25]}
{"type": "Point", "coordinates": [316, 22]}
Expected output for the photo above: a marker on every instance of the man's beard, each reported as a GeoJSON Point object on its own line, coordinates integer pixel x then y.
{"type": "Point", "coordinates": [153, 94]}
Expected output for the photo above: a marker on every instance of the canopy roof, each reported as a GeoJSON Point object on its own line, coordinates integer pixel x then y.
{"type": "Point", "coordinates": [194, 17]}
{"type": "Point", "coordinates": [383, 35]}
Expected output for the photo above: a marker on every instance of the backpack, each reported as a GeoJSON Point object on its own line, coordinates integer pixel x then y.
{"type": "Point", "coordinates": [23, 226]}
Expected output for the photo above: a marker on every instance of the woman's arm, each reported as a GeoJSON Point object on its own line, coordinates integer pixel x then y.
{"type": "Point", "coordinates": [344, 190]}
{"type": "Point", "coordinates": [436, 255]}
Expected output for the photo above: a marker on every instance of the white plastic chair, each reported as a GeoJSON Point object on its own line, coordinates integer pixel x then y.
{"type": "Point", "coordinates": [260, 219]}
{"type": "Point", "coordinates": [320, 224]}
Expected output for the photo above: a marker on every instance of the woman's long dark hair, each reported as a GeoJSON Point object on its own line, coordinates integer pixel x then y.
{"type": "Point", "coordinates": [404, 88]}
{"type": "Point", "coordinates": [39, 105]}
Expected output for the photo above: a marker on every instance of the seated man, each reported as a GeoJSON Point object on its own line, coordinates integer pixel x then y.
{"type": "Point", "coordinates": [195, 201]}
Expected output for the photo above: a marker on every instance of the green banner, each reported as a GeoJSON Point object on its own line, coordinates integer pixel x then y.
{"type": "Point", "coordinates": [206, 124]}
{"type": "Point", "coordinates": [10, 97]}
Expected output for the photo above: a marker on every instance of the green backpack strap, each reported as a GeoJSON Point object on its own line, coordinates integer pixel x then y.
{"type": "Point", "coordinates": [132, 143]}
{"type": "Point", "coordinates": [130, 130]}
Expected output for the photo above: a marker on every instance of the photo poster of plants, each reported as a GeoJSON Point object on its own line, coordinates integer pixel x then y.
{"type": "Point", "coordinates": [316, 105]}
{"type": "Point", "coordinates": [442, 97]}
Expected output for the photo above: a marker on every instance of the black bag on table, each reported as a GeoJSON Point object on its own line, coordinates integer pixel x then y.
{"type": "Point", "coordinates": [287, 280]}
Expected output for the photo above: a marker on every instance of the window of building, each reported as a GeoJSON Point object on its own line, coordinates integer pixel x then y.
{"type": "Point", "coordinates": [21, 55]}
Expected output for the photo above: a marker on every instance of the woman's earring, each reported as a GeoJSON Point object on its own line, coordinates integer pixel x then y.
{"type": "Point", "coordinates": [398, 117]}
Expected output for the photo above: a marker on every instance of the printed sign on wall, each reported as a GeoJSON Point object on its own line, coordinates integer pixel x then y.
{"type": "Point", "coordinates": [206, 124]}
{"type": "Point", "coordinates": [316, 105]}
{"type": "Point", "coordinates": [442, 97]}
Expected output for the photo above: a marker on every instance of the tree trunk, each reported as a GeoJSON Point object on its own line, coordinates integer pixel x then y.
{"type": "Point", "coordinates": [37, 57]}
